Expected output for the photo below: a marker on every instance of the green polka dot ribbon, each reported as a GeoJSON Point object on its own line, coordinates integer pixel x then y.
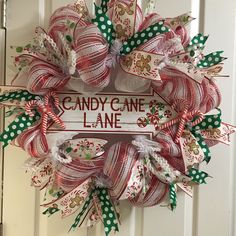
{"type": "Point", "coordinates": [19, 95]}
{"type": "Point", "coordinates": [104, 5]}
{"type": "Point", "coordinates": [51, 211]}
{"type": "Point", "coordinates": [83, 210]}
{"type": "Point", "coordinates": [20, 124]}
{"type": "Point", "coordinates": [198, 42]}
{"type": "Point", "coordinates": [198, 176]}
{"type": "Point", "coordinates": [108, 211]}
{"type": "Point", "coordinates": [202, 144]}
{"type": "Point", "coordinates": [211, 59]}
{"type": "Point", "coordinates": [104, 24]}
{"type": "Point", "coordinates": [173, 196]}
{"type": "Point", "coordinates": [209, 122]}
{"type": "Point", "coordinates": [141, 37]}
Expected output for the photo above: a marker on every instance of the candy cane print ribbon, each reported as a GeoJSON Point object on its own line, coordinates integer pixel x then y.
{"type": "Point", "coordinates": [42, 174]}
{"type": "Point", "coordinates": [71, 202]}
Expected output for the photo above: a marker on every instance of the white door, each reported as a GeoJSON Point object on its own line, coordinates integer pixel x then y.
{"type": "Point", "coordinates": [210, 212]}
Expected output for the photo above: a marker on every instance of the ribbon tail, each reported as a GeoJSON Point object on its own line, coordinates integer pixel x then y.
{"type": "Point", "coordinates": [198, 176]}
{"type": "Point", "coordinates": [173, 196]}
{"type": "Point", "coordinates": [51, 211]}
{"type": "Point", "coordinates": [82, 212]}
{"type": "Point", "coordinates": [108, 211]}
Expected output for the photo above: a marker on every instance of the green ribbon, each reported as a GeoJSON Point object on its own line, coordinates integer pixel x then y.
{"type": "Point", "coordinates": [20, 124]}
{"type": "Point", "coordinates": [209, 122]}
{"type": "Point", "coordinates": [104, 5]}
{"type": "Point", "coordinates": [84, 209]}
{"type": "Point", "coordinates": [104, 24]}
{"type": "Point", "coordinates": [197, 43]}
{"type": "Point", "coordinates": [198, 176]}
{"type": "Point", "coordinates": [19, 95]}
{"type": "Point", "coordinates": [211, 59]}
{"type": "Point", "coordinates": [51, 211]}
{"type": "Point", "coordinates": [108, 211]}
{"type": "Point", "coordinates": [23, 121]}
{"type": "Point", "coordinates": [173, 196]}
{"type": "Point", "coordinates": [107, 29]}
{"type": "Point", "coordinates": [202, 144]}
{"type": "Point", "coordinates": [140, 38]}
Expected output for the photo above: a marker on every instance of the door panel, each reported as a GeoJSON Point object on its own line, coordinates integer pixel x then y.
{"type": "Point", "coordinates": [209, 213]}
{"type": "Point", "coordinates": [215, 201]}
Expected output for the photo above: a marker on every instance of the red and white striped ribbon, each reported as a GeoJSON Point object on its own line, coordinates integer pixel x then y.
{"type": "Point", "coordinates": [114, 169]}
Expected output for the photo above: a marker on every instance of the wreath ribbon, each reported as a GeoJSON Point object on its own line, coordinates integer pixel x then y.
{"type": "Point", "coordinates": [138, 62]}
{"type": "Point", "coordinates": [210, 122]}
{"type": "Point", "coordinates": [132, 61]}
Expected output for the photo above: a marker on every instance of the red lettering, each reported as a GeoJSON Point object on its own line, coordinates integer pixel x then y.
{"type": "Point", "coordinates": [85, 121]}
{"type": "Point", "coordinates": [117, 120]}
{"type": "Point", "coordinates": [66, 100]}
{"type": "Point", "coordinates": [115, 100]}
{"type": "Point", "coordinates": [103, 102]}
{"type": "Point", "coordinates": [108, 120]}
{"type": "Point", "coordinates": [94, 104]}
{"type": "Point", "coordinates": [85, 103]}
{"type": "Point", "coordinates": [77, 104]}
{"type": "Point", "coordinates": [141, 105]}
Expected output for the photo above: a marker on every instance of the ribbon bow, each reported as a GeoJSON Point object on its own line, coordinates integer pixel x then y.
{"type": "Point", "coordinates": [185, 117]}
{"type": "Point", "coordinates": [46, 109]}
{"type": "Point", "coordinates": [60, 58]}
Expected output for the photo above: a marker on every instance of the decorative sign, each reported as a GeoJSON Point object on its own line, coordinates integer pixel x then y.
{"type": "Point", "coordinates": [115, 113]}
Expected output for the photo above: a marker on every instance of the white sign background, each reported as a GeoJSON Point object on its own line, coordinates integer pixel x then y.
{"type": "Point", "coordinates": [107, 112]}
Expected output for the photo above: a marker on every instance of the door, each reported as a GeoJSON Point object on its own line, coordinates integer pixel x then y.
{"type": "Point", "coordinates": [212, 209]}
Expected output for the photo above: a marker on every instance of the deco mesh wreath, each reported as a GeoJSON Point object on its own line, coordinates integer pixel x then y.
{"type": "Point", "coordinates": [166, 84]}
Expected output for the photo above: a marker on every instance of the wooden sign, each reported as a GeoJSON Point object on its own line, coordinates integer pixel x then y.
{"type": "Point", "coordinates": [113, 112]}
{"type": "Point", "coordinates": [119, 113]}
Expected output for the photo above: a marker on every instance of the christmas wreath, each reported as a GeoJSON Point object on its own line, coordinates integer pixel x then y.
{"type": "Point", "coordinates": [166, 86]}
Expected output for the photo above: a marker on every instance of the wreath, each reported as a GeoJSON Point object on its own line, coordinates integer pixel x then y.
{"type": "Point", "coordinates": [117, 50]}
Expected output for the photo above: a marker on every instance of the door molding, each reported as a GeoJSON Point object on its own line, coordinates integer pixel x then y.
{"type": "Point", "coordinates": [2, 82]}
